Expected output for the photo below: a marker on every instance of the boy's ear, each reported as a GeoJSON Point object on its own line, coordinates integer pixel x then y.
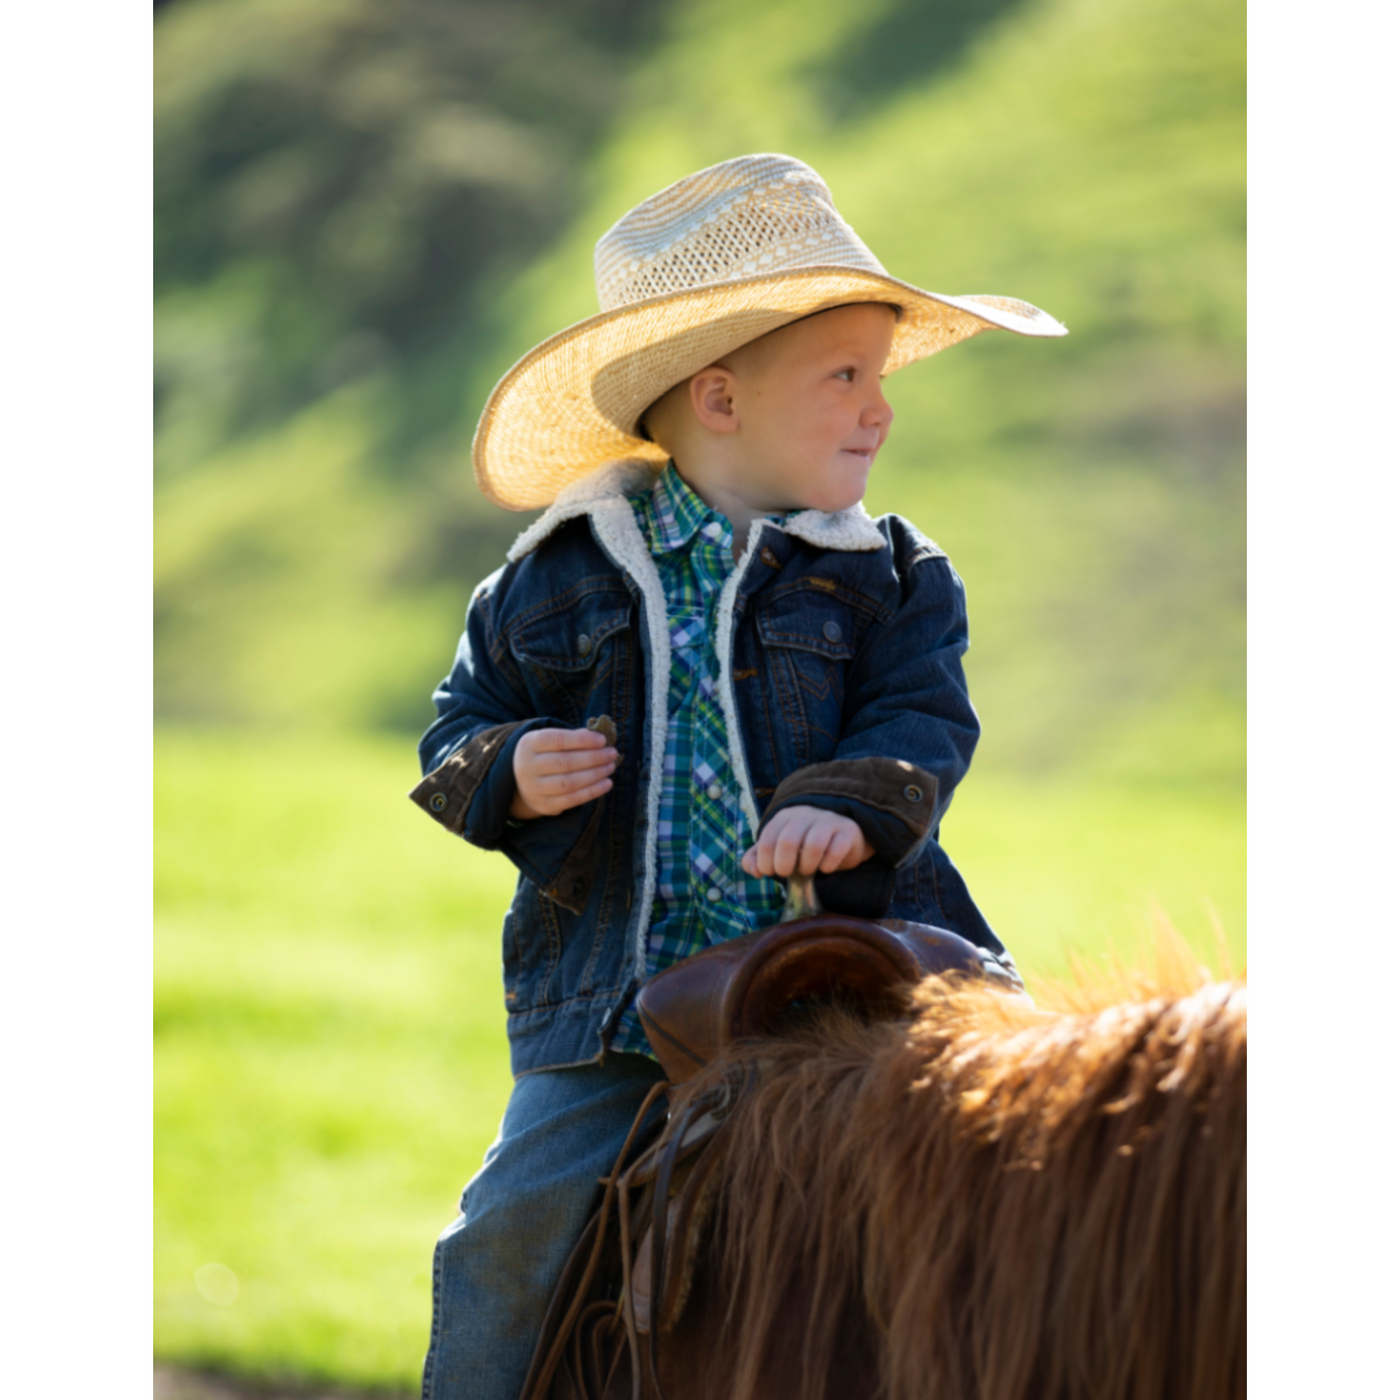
{"type": "Point", "coordinates": [712, 398]}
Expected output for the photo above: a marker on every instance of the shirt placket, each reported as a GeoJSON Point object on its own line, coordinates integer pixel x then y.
{"type": "Point", "coordinates": [712, 832]}
{"type": "Point", "coordinates": [703, 895]}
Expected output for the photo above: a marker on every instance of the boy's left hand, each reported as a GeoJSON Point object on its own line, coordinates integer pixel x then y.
{"type": "Point", "coordinates": [807, 840]}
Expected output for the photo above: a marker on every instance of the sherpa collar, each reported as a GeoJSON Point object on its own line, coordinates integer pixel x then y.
{"type": "Point", "coordinates": [606, 490]}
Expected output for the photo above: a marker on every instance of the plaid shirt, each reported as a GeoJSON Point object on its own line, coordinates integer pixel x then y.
{"type": "Point", "coordinates": [702, 893]}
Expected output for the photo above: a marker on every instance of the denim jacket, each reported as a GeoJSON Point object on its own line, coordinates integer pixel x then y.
{"type": "Point", "coordinates": [840, 641]}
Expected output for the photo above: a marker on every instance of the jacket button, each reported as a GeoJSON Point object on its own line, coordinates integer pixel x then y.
{"type": "Point", "coordinates": [438, 801]}
{"type": "Point", "coordinates": [914, 793]}
{"type": "Point", "coordinates": [831, 631]}
{"type": "Point", "coordinates": [585, 643]}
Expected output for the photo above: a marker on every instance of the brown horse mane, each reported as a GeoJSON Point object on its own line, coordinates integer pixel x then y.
{"type": "Point", "coordinates": [1008, 1201]}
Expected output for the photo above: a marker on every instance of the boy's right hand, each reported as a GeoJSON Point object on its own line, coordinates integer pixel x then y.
{"type": "Point", "coordinates": [556, 769]}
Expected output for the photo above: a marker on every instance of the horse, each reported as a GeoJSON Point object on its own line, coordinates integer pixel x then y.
{"type": "Point", "coordinates": [982, 1199]}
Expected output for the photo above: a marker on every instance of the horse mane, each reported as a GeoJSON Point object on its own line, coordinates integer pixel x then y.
{"type": "Point", "coordinates": [1010, 1202]}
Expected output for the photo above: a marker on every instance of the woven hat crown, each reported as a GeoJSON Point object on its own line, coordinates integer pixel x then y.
{"type": "Point", "coordinates": [746, 217]}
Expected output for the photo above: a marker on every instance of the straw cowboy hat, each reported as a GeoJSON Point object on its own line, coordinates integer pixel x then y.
{"type": "Point", "coordinates": [712, 262]}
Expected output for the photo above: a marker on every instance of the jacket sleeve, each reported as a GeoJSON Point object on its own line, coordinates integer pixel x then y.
{"type": "Point", "coordinates": [467, 757]}
{"type": "Point", "coordinates": [907, 737]}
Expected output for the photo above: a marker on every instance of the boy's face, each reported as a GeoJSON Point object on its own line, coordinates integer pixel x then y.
{"type": "Point", "coordinates": [811, 410]}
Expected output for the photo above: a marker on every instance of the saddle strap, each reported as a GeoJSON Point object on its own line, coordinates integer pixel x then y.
{"type": "Point", "coordinates": [699, 1122]}
{"type": "Point", "coordinates": [592, 1327]}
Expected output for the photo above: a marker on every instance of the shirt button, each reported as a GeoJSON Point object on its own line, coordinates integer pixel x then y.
{"type": "Point", "coordinates": [714, 792]}
{"type": "Point", "coordinates": [713, 895]}
{"type": "Point", "coordinates": [831, 631]}
{"type": "Point", "coordinates": [585, 643]}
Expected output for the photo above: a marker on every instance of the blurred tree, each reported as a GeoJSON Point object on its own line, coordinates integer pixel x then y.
{"type": "Point", "coordinates": [339, 181]}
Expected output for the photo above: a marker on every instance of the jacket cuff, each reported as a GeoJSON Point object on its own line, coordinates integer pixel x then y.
{"type": "Point", "coordinates": [447, 793]}
{"type": "Point", "coordinates": [863, 893]}
{"type": "Point", "coordinates": [470, 793]}
{"type": "Point", "coordinates": [894, 802]}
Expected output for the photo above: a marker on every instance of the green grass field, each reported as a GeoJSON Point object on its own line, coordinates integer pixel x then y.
{"type": "Point", "coordinates": [330, 1047]}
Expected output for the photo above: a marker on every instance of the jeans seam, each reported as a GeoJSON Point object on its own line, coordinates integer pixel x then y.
{"type": "Point", "coordinates": [435, 1335]}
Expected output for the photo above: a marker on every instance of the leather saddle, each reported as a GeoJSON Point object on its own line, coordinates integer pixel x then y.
{"type": "Point", "coordinates": [756, 984]}
{"type": "Point", "coordinates": [630, 1275]}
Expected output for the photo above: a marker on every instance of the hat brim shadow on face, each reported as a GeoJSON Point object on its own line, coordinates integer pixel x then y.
{"type": "Point", "coordinates": [573, 402]}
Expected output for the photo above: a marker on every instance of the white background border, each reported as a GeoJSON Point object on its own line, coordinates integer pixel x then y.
{"type": "Point", "coordinates": [76, 697]}
{"type": "Point", "coordinates": [1323, 712]}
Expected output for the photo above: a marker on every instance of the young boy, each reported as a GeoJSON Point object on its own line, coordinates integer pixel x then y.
{"type": "Point", "coordinates": [703, 668]}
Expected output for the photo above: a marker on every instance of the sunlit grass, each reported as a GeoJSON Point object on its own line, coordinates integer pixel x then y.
{"type": "Point", "coordinates": [330, 1049]}
{"type": "Point", "coordinates": [330, 1045]}
{"type": "Point", "coordinates": [1063, 870]}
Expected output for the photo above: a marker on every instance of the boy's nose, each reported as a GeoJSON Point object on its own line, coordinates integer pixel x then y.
{"type": "Point", "coordinates": [878, 412]}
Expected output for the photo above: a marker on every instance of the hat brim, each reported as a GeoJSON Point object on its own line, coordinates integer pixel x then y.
{"type": "Point", "coordinates": [573, 402]}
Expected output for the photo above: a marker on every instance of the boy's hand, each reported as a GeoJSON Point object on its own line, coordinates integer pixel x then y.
{"type": "Point", "coordinates": [556, 769]}
{"type": "Point", "coordinates": [807, 840]}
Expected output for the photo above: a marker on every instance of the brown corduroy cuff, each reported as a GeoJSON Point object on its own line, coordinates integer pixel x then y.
{"type": "Point", "coordinates": [447, 792]}
{"type": "Point", "coordinates": [890, 787]}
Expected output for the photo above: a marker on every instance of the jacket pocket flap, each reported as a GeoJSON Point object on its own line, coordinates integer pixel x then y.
{"type": "Point", "coordinates": [568, 640]}
{"type": "Point", "coordinates": [808, 622]}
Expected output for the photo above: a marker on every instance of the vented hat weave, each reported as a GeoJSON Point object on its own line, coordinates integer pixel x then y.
{"type": "Point", "coordinates": [712, 262]}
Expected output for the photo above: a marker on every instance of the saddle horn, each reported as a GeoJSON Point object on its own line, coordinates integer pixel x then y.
{"type": "Point", "coordinates": [749, 986]}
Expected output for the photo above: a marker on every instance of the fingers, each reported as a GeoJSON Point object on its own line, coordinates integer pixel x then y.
{"type": "Point", "coordinates": [565, 763]}
{"type": "Point", "coordinates": [557, 769]}
{"type": "Point", "coordinates": [762, 857]}
{"type": "Point", "coordinates": [552, 804]}
{"type": "Point", "coordinates": [807, 840]}
{"type": "Point", "coordinates": [536, 800]}
{"type": "Point", "coordinates": [541, 741]}
{"type": "Point", "coordinates": [573, 782]}
{"type": "Point", "coordinates": [838, 849]}
{"type": "Point", "coordinates": [795, 839]}
{"type": "Point", "coordinates": [531, 802]}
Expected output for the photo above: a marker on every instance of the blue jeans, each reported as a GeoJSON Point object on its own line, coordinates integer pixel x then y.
{"type": "Point", "coordinates": [497, 1264]}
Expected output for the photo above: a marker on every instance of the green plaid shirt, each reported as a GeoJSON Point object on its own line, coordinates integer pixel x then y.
{"type": "Point", "coordinates": [702, 893]}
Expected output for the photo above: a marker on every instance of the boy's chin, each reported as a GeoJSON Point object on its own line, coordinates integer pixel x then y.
{"type": "Point", "coordinates": [833, 505]}
{"type": "Point", "coordinates": [836, 492]}
{"type": "Point", "coordinates": [833, 499]}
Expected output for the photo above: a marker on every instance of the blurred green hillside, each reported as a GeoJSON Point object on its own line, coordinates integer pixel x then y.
{"type": "Point", "coordinates": [369, 211]}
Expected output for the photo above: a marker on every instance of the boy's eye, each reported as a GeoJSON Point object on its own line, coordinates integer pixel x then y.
{"type": "Point", "coordinates": [847, 374]}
